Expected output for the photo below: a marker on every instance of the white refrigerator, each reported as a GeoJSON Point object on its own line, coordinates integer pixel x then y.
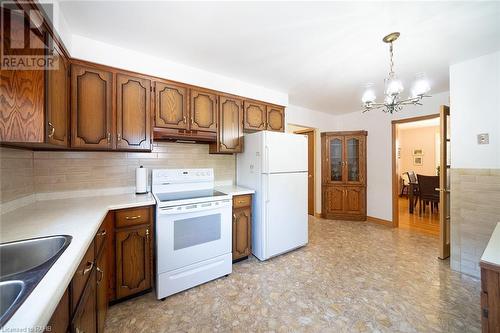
{"type": "Point", "coordinates": [274, 164]}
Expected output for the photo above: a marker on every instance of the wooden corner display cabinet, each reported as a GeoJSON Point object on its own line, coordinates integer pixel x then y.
{"type": "Point", "coordinates": [343, 169]}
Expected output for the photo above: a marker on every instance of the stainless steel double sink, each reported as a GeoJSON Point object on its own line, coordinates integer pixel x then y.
{"type": "Point", "coordinates": [22, 265]}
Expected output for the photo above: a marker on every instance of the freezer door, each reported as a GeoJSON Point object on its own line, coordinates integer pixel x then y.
{"type": "Point", "coordinates": [285, 215]}
{"type": "Point", "coordinates": [284, 152]}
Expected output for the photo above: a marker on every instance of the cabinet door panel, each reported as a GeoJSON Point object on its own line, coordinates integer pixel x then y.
{"type": "Point", "coordinates": [203, 111]}
{"type": "Point", "coordinates": [230, 138]}
{"type": "Point", "coordinates": [59, 322]}
{"type": "Point", "coordinates": [335, 160]}
{"type": "Point", "coordinates": [102, 288]}
{"type": "Point", "coordinates": [91, 111]}
{"type": "Point", "coordinates": [333, 199]}
{"type": "Point", "coordinates": [133, 260]}
{"type": "Point", "coordinates": [58, 100]}
{"type": "Point", "coordinates": [275, 119]}
{"type": "Point", "coordinates": [133, 111]}
{"type": "Point", "coordinates": [21, 91]}
{"type": "Point", "coordinates": [171, 106]}
{"type": "Point", "coordinates": [254, 116]}
{"type": "Point", "coordinates": [85, 317]}
{"type": "Point", "coordinates": [354, 200]}
{"type": "Point", "coordinates": [242, 231]}
{"type": "Point", "coordinates": [354, 159]}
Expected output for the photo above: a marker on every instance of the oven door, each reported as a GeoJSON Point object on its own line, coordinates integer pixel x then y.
{"type": "Point", "coordinates": [192, 233]}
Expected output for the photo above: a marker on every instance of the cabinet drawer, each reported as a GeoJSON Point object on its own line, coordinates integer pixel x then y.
{"type": "Point", "coordinates": [81, 276]}
{"type": "Point", "coordinates": [130, 217]}
{"type": "Point", "coordinates": [242, 201]}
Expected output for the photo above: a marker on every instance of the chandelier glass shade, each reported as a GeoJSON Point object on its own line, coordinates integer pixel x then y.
{"type": "Point", "coordinates": [393, 88]}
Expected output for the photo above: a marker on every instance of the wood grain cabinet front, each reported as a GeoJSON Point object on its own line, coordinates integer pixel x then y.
{"type": "Point", "coordinates": [230, 131]}
{"type": "Point", "coordinates": [203, 111]}
{"type": "Point", "coordinates": [82, 275]}
{"type": "Point", "coordinates": [133, 260]}
{"type": "Point", "coordinates": [242, 227]}
{"type": "Point", "coordinates": [60, 320]}
{"type": "Point", "coordinates": [133, 112]}
{"type": "Point", "coordinates": [171, 106]}
{"type": "Point", "coordinates": [255, 116]}
{"type": "Point", "coordinates": [275, 119]}
{"type": "Point", "coordinates": [85, 319]}
{"type": "Point", "coordinates": [91, 108]}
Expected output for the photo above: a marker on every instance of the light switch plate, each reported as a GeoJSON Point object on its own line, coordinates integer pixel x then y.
{"type": "Point", "coordinates": [483, 139]}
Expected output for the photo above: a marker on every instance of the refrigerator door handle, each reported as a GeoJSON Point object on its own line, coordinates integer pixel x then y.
{"type": "Point", "coordinates": [266, 159]}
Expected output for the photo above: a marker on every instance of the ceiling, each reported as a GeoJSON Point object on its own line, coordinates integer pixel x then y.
{"type": "Point", "coordinates": [321, 53]}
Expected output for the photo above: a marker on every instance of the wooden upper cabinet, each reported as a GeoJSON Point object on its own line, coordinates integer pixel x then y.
{"type": "Point", "coordinates": [22, 91]}
{"type": "Point", "coordinates": [171, 106]}
{"type": "Point", "coordinates": [230, 134]}
{"type": "Point", "coordinates": [91, 109]}
{"type": "Point", "coordinates": [203, 111]}
{"type": "Point", "coordinates": [57, 126]}
{"type": "Point", "coordinates": [275, 118]}
{"type": "Point", "coordinates": [254, 116]}
{"type": "Point", "coordinates": [133, 112]}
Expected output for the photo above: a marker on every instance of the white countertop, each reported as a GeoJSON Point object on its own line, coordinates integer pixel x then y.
{"type": "Point", "coordinates": [78, 217]}
{"type": "Point", "coordinates": [234, 190]}
{"type": "Point", "coordinates": [491, 254]}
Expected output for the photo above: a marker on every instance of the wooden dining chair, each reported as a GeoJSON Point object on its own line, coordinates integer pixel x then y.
{"type": "Point", "coordinates": [427, 187]}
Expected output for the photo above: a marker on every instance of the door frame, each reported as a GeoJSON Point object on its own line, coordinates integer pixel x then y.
{"type": "Point", "coordinates": [395, 175]}
{"type": "Point", "coordinates": [304, 131]}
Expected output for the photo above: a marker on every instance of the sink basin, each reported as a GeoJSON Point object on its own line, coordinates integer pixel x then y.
{"type": "Point", "coordinates": [21, 256]}
{"type": "Point", "coordinates": [22, 265]}
{"type": "Point", "coordinates": [10, 291]}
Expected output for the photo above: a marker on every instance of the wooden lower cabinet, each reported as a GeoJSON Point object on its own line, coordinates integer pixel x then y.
{"type": "Point", "coordinates": [102, 269]}
{"type": "Point", "coordinates": [59, 322]}
{"type": "Point", "coordinates": [85, 319]}
{"type": "Point", "coordinates": [344, 202]}
{"type": "Point", "coordinates": [242, 226]}
{"type": "Point", "coordinates": [84, 305]}
{"type": "Point", "coordinates": [133, 260]}
{"type": "Point", "coordinates": [490, 297]}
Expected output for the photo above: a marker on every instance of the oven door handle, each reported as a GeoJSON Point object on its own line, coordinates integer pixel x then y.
{"type": "Point", "coordinates": [198, 207]}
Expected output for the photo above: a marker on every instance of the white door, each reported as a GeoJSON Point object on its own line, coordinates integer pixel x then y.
{"type": "Point", "coordinates": [192, 233]}
{"type": "Point", "coordinates": [285, 212]}
{"type": "Point", "coordinates": [284, 152]}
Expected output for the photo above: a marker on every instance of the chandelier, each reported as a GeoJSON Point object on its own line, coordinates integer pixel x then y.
{"type": "Point", "coordinates": [393, 101]}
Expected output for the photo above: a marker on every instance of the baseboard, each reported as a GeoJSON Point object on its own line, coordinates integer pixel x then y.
{"type": "Point", "coordinates": [379, 221]}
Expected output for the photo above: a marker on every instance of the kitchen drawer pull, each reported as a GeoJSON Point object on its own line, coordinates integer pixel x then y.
{"type": "Point", "coordinates": [90, 265]}
{"type": "Point", "coordinates": [132, 217]}
{"type": "Point", "coordinates": [147, 235]}
{"type": "Point", "coordinates": [52, 130]}
{"type": "Point", "coordinates": [102, 233]}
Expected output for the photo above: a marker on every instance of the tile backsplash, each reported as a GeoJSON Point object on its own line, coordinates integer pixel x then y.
{"type": "Point", "coordinates": [16, 174]}
{"type": "Point", "coordinates": [475, 211]}
{"type": "Point", "coordinates": [25, 172]}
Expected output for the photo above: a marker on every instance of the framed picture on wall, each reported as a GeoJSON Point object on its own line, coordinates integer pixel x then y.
{"type": "Point", "coordinates": [418, 152]}
{"type": "Point", "coordinates": [418, 160]}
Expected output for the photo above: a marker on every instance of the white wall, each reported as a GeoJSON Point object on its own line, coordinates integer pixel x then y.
{"type": "Point", "coordinates": [475, 109]}
{"type": "Point", "coordinates": [320, 121]}
{"type": "Point", "coordinates": [379, 159]}
{"type": "Point", "coordinates": [111, 55]}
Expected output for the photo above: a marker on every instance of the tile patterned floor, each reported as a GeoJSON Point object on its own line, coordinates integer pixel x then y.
{"type": "Point", "coordinates": [352, 277]}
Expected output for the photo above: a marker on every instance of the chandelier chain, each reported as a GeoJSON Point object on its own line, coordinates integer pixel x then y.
{"type": "Point", "coordinates": [391, 73]}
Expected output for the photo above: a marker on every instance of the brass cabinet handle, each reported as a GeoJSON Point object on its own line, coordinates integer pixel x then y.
{"type": "Point", "coordinates": [109, 137]}
{"type": "Point", "coordinates": [102, 233]}
{"type": "Point", "coordinates": [185, 120]}
{"type": "Point", "coordinates": [90, 265]}
{"type": "Point", "coordinates": [79, 330]}
{"type": "Point", "coordinates": [234, 216]}
{"type": "Point", "coordinates": [147, 235]}
{"type": "Point", "coordinates": [241, 201]}
{"type": "Point", "coordinates": [119, 137]}
{"type": "Point", "coordinates": [101, 275]}
{"type": "Point", "coordinates": [132, 217]}
{"type": "Point", "coordinates": [192, 121]}
{"type": "Point", "coordinates": [52, 130]}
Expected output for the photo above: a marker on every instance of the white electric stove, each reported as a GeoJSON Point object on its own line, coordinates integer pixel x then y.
{"type": "Point", "coordinates": [193, 229]}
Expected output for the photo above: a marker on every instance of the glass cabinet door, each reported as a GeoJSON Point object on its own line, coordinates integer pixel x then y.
{"type": "Point", "coordinates": [336, 152]}
{"type": "Point", "coordinates": [353, 148]}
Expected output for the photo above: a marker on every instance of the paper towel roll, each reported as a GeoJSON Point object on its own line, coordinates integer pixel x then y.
{"type": "Point", "coordinates": [141, 180]}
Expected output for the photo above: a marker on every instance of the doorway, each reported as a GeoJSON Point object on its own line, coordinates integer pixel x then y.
{"type": "Point", "coordinates": [310, 133]}
{"type": "Point", "coordinates": [420, 179]}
